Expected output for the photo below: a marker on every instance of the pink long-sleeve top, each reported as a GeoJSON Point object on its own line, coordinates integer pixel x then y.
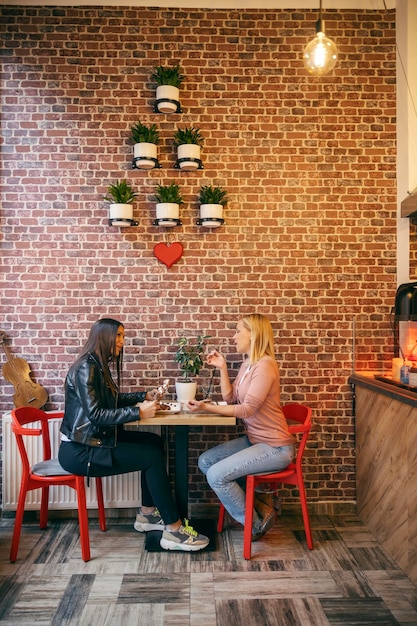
{"type": "Point", "coordinates": [256, 396]}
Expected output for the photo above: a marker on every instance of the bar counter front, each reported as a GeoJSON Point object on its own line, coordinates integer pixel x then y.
{"type": "Point", "coordinates": [386, 465]}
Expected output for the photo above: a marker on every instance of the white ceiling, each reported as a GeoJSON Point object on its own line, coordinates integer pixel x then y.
{"type": "Point", "coordinates": [376, 5]}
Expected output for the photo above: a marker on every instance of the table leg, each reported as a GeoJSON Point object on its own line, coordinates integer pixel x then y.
{"type": "Point", "coordinates": [181, 469]}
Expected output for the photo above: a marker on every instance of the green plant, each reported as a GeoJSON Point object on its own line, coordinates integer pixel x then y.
{"type": "Point", "coordinates": [144, 134]}
{"type": "Point", "coordinates": [212, 195]}
{"type": "Point", "coordinates": [188, 135]}
{"type": "Point", "coordinates": [189, 355]}
{"type": "Point", "coordinates": [120, 193]}
{"type": "Point", "coordinates": [169, 193]}
{"type": "Point", "coordinates": [168, 75]}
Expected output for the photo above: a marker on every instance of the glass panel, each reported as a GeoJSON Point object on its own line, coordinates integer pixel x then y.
{"type": "Point", "coordinates": [373, 344]}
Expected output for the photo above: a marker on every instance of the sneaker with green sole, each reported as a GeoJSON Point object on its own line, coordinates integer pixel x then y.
{"type": "Point", "coordinates": [185, 538]}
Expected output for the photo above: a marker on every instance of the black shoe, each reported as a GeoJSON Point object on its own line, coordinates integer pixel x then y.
{"type": "Point", "coordinates": [270, 499]}
{"type": "Point", "coordinates": [268, 521]}
{"type": "Point", "coordinates": [257, 534]}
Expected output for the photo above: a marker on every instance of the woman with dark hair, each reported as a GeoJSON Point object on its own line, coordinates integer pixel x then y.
{"type": "Point", "coordinates": [253, 397]}
{"type": "Point", "coordinates": [94, 443]}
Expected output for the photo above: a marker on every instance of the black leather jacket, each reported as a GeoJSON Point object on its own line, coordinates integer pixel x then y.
{"type": "Point", "coordinates": [92, 410]}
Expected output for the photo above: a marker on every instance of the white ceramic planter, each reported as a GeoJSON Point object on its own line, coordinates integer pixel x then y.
{"type": "Point", "coordinates": [211, 215]}
{"type": "Point", "coordinates": [185, 391]}
{"type": "Point", "coordinates": [121, 214]}
{"type": "Point", "coordinates": [168, 98]}
{"type": "Point", "coordinates": [189, 151]}
{"type": "Point", "coordinates": [167, 213]}
{"type": "Point", "coordinates": [146, 155]}
{"type": "Point", "coordinates": [211, 210]}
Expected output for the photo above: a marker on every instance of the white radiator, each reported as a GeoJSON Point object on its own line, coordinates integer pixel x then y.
{"type": "Point", "coordinates": [122, 491]}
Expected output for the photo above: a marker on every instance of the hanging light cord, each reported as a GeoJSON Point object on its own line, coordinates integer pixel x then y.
{"type": "Point", "coordinates": [406, 80]}
{"type": "Point", "coordinates": [410, 93]}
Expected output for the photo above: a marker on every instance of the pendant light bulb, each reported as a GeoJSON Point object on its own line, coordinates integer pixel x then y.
{"type": "Point", "coordinates": [320, 55]}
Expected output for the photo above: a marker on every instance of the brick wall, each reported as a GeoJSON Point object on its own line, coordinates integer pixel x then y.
{"type": "Point", "coordinates": [309, 166]}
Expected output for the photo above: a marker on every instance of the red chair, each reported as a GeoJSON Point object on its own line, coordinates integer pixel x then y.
{"type": "Point", "coordinates": [293, 475]}
{"type": "Point", "coordinates": [46, 473]}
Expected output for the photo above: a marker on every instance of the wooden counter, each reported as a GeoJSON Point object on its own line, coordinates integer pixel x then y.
{"type": "Point", "coordinates": [386, 466]}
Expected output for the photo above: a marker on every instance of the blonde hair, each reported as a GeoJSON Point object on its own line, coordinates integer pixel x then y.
{"type": "Point", "coordinates": [262, 336]}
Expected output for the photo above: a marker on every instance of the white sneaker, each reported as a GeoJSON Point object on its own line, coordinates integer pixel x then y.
{"type": "Point", "coordinates": [151, 521]}
{"type": "Point", "coordinates": [185, 538]}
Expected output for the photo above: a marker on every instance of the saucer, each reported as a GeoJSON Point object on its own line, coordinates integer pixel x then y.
{"type": "Point", "coordinates": [173, 407]}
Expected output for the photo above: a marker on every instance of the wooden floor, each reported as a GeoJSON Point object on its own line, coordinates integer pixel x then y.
{"type": "Point", "coordinates": [347, 580]}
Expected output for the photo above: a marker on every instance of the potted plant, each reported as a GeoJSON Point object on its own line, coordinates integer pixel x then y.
{"type": "Point", "coordinates": [168, 80]}
{"type": "Point", "coordinates": [212, 201]}
{"type": "Point", "coordinates": [121, 196]}
{"type": "Point", "coordinates": [145, 139]}
{"type": "Point", "coordinates": [188, 142]}
{"type": "Point", "coordinates": [168, 199]}
{"type": "Point", "coordinates": [189, 355]}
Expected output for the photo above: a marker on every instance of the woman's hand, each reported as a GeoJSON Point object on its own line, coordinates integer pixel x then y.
{"type": "Point", "coordinates": [147, 409]}
{"type": "Point", "coordinates": [195, 405]}
{"type": "Point", "coordinates": [160, 392]}
{"type": "Point", "coordinates": [152, 395]}
{"type": "Point", "coordinates": [216, 359]}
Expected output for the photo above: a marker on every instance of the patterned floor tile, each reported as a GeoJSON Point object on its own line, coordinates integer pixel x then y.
{"type": "Point", "coordinates": [347, 580]}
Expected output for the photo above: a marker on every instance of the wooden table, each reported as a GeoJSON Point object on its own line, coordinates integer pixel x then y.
{"type": "Point", "coordinates": [182, 421]}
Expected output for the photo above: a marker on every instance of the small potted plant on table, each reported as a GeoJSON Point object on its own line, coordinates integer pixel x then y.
{"type": "Point", "coordinates": [188, 142]}
{"type": "Point", "coordinates": [168, 199]}
{"type": "Point", "coordinates": [145, 139]}
{"type": "Point", "coordinates": [212, 201]}
{"type": "Point", "coordinates": [169, 81]}
{"type": "Point", "coordinates": [189, 355]}
{"type": "Point", "coordinates": [121, 196]}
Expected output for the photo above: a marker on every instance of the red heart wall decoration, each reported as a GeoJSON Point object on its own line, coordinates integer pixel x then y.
{"type": "Point", "coordinates": [168, 253]}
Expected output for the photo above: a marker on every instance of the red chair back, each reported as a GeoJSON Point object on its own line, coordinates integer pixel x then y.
{"type": "Point", "coordinates": [29, 415]}
{"type": "Point", "coordinates": [298, 417]}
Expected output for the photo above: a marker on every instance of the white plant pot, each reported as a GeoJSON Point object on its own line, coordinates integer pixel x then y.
{"type": "Point", "coordinates": [211, 215]}
{"type": "Point", "coordinates": [185, 391]}
{"type": "Point", "coordinates": [145, 153]}
{"type": "Point", "coordinates": [170, 98]}
{"type": "Point", "coordinates": [167, 213]}
{"type": "Point", "coordinates": [189, 151]}
{"type": "Point", "coordinates": [121, 214]}
{"type": "Point", "coordinates": [211, 210]}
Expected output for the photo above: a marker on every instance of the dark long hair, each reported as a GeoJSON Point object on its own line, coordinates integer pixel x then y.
{"type": "Point", "coordinates": [102, 342]}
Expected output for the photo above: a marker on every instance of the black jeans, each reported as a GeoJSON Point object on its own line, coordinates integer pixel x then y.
{"type": "Point", "coordinates": [134, 451]}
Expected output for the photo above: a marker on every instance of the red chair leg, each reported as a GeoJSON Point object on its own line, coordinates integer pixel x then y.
{"type": "Point", "coordinates": [83, 519]}
{"type": "Point", "coordinates": [220, 521]}
{"type": "Point", "coordinates": [306, 517]}
{"type": "Point", "coordinates": [43, 516]}
{"type": "Point", "coordinates": [100, 503]}
{"type": "Point", "coordinates": [18, 524]}
{"type": "Point", "coordinates": [247, 529]}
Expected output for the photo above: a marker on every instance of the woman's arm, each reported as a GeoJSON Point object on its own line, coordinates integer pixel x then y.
{"type": "Point", "coordinates": [96, 401]}
{"type": "Point", "coordinates": [217, 360]}
{"type": "Point", "coordinates": [207, 407]}
{"type": "Point", "coordinates": [256, 387]}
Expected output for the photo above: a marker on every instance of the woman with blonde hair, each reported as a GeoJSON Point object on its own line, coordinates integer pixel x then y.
{"type": "Point", "coordinates": [254, 398]}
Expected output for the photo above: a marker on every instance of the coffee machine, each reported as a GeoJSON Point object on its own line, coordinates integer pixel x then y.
{"type": "Point", "coordinates": [405, 322]}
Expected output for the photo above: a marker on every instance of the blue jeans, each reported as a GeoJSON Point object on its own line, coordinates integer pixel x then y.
{"type": "Point", "coordinates": [226, 465]}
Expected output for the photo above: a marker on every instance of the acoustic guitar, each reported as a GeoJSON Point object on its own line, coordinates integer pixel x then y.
{"type": "Point", "coordinates": [17, 372]}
